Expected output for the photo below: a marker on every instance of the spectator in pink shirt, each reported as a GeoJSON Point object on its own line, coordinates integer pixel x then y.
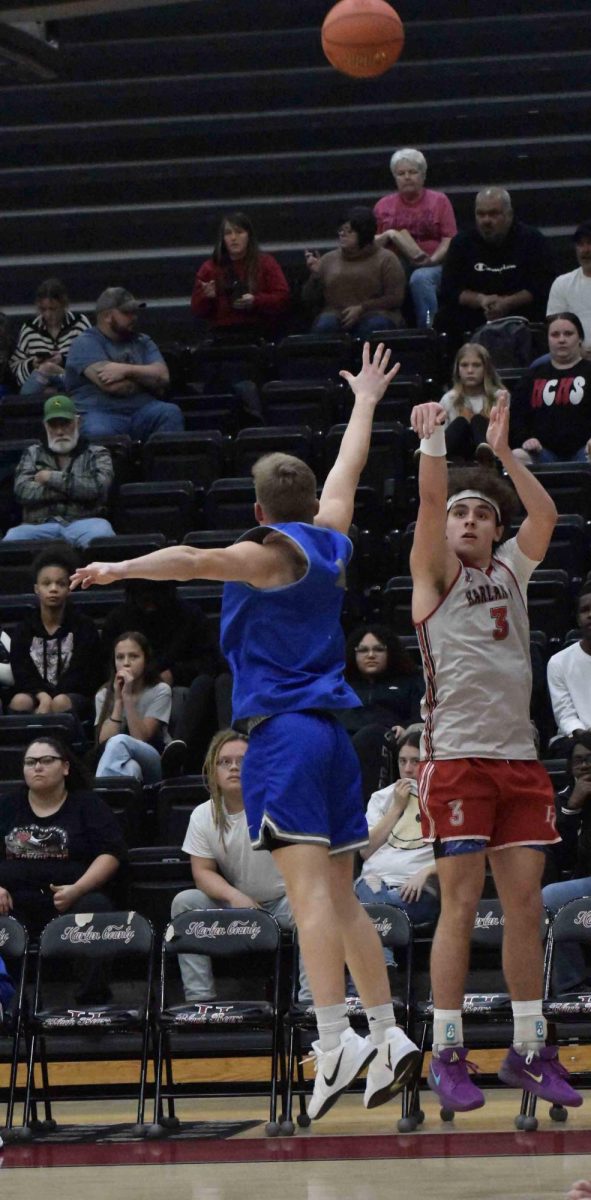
{"type": "Point", "coordinates": [418, 224]}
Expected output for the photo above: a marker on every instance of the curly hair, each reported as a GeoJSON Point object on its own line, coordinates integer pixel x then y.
{"type": "Point", "coordinates": [486, 481]}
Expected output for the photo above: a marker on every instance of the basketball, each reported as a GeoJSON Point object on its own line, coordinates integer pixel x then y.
{"type": "Point", "coordinates": [362, 38]}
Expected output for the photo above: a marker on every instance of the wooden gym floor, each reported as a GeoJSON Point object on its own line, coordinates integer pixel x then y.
{"type": "Point", "coordinates": [350, 1155]}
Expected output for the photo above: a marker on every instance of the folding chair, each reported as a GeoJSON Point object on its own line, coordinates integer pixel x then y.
{"type": "Point", "coordinates": [395, 931]}
{"type": "Point", "coordinates": [313, 356]}
{"type": "Point", "coordinates": [385, 459]}
{"type": "Point", "coordinates": [156, 875]}
{"type": "Point", "coordinates": [248, 1027]}
{"type": "Point", "coordinates": [251, 444]}
{"type": "Point", "coordinates": [124, 797]}
{"type": "Point", "coordinates": [570, 1013]}
{"type": "Point", "coordinates": [13, 948]}
{"type": "Point", "coordinates": [198, 456]}
{"type": "Point", "coordinates": [569, 485]}
{"type": "Point", "coordinates": [122, 546]}
{"type": "Point", "coordinates": [170, 506]}
{"type": "Point", "coordinates": [230, 503]}
{"type": "Point", "coordinates": [300, 401]}
{"type": "Point", "coordinates": [176, 800]}
{"type": "Point", "coordinates": [396, 604]}
{"type": "Point", "coordinates": [491, 1004]}
{"type": "Point", "coordinates": [89, 940]}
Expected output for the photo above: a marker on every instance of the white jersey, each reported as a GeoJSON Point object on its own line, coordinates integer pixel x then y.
{"type": "Point", "coordinates": [477, 664]}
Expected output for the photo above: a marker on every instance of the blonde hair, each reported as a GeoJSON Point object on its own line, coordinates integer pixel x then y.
{"type": "Point", "coordinates": [490, 383]}
{"type": "Point", "coordinates": [285, 487]}
{"type": "Point", "coordinates": [218, 741]}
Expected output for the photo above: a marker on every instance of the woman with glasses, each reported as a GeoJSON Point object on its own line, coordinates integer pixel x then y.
{"type": "Point", "coordinates": [60, 845]}
{"type": "Point", "coordinates": [360, 285]}
{"type": "Point", "coordinates": [227, 872]}
{"type": "Point", "coordinates": [573, 854]}
{"type": "Point", "coordinates": [390, 688]}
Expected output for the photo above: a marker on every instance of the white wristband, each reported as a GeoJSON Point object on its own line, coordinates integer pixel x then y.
{"type": "Point", "coordinates": [435, 444]}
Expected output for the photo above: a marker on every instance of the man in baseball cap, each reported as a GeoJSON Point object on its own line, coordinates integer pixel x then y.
{"type": "Point", "coordinates": [572, 292]}
{"type": "Point", "coordinates": [116, 375]}
{"type": "Point", "coordinates": [62, 482]}
{"type": "Point", "coordinates": [118, 297]}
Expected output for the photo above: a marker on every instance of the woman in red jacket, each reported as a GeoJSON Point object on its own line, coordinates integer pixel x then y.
{"type": "Point", "coordinates": [240, 287]}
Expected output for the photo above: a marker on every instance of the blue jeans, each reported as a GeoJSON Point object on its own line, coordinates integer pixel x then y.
{"type": "Point", "coordinates": [569, 960]}
{"type": "Point", "coordinates": [126, 755]}
{"type": "Point", "coordinates": [137, 420]}
{"type": "Point", "coordinates": [548, 456]}
{"type": "Point", "coordinates": [419, 912]}
{"type": "Point", "coordinates": [370, 323]}
{"type": "Point", "coordinates": [77, 533]}
{"type": "Point", "coordinates": [423, 285]}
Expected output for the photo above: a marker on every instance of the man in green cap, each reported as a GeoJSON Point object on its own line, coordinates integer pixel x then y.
{"type": "Point", "coordinates": [62, 482]}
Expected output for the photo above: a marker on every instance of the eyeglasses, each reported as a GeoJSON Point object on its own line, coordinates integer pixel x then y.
{"type": "Point", "coordinates": [584, 760]}
{"type": "Point", "coordinates": [226, 763]}
{"type": "Point", "coordinates": [371, 649]}
{"type": "Point", "coordinates": [44, 759]}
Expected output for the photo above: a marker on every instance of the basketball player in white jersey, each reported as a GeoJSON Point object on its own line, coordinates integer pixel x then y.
{"type": "Point", "coordinates": [482, 791]}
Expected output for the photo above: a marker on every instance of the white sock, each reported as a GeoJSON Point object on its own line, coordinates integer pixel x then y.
{"type": "Point", "coordinates": [332, 1021]}
{"type": "Point", "coordinates": [529, 1026]}
{"type": "Point", "coordinates": [447, 1028]}
{"type": "Point", "coordinates": [380, 1019]}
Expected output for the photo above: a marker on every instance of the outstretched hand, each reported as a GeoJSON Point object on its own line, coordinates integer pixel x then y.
{"type": "Point", "coordinates": [580, 1190]}
{"type": "Point", "coordinates": [497, 434]}
{"type": "Point", "coordinates": [97, 572]}
{"type": "Point", "coordinates": [374, 376]}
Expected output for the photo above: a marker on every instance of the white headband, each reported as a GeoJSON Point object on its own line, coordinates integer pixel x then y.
{"type": "Point", "coordinates": [470, 494]}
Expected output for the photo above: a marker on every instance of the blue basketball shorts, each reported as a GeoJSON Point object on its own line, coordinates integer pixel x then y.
{"type": "Point", "coordinates": [301, 783]}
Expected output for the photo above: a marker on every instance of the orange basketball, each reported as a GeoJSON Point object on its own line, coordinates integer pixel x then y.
{"type": "Point", "coordinates": [362, 38]}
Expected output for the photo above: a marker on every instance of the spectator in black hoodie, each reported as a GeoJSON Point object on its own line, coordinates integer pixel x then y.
{"type": "Point", "coordinates": [55, 651]}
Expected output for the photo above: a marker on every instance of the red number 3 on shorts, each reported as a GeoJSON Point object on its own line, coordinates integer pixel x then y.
{"type": "Point", "coordinates": [499, 616]}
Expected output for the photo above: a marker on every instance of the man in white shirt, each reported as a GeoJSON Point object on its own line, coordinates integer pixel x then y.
{"type": "Point", "coordinates": [226, 870]}
{"type": "Point", "coordinates": [569, 679]}
{"type": "Point", "coordinates": [572, 292]}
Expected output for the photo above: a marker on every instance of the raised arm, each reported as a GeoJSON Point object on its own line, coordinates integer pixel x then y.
{"type": "Point", "coordinates": [535, 533]}
{"type": "Point", "coordinates": [433, 565]}
{"type": "Point", "coordinates": [338, 494]}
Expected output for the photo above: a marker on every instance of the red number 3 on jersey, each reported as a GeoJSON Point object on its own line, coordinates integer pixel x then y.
{"type": "Point", "coordinates": [501, 628]}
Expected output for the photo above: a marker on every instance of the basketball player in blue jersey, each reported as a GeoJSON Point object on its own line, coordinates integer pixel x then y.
{"type": "Point", "coordinates": [284, 587]}
{"type": "Point", "coordinates": [481, 791]}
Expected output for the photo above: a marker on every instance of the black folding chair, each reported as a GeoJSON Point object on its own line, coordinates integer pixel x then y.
{"type": "Point", "coordinates": [395, 931]}
{"type": "Point", "coordinates": [248, 1027]}
{"type": "Point", "coordinates": [89, 942]}
{"type": "Point", "coordinates": [13, 948]}
{"type": "Point", "coordinates": [570, 1013]}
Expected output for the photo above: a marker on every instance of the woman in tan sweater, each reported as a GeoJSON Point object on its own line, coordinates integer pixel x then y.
{"type": "Point", "coordinates": [360, 284]}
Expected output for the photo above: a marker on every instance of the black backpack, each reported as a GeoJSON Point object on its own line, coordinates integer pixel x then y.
{"type": "Point", "coordinates": [508, 341]}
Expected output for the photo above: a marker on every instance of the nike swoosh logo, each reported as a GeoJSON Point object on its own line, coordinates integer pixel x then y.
{"type": "Point", "coordinates": [329, 1082]}
{"type": "Point", "coordinates": [536, 1078]}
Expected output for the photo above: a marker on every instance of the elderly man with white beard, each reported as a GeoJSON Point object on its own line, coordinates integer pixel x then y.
{"type": "Point", "coordinates": [62, 482]}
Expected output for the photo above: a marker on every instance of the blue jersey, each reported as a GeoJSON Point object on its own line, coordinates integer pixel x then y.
{"type": "Point", "coordinates": [285, 645]}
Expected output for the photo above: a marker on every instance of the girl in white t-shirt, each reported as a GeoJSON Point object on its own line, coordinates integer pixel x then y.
{"type": "Point", "coordinates": [132, 713]}
{"type": "Point", "coordinates": [476, 387]}
{"type": "Point", "coordinates": [399, 866]}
